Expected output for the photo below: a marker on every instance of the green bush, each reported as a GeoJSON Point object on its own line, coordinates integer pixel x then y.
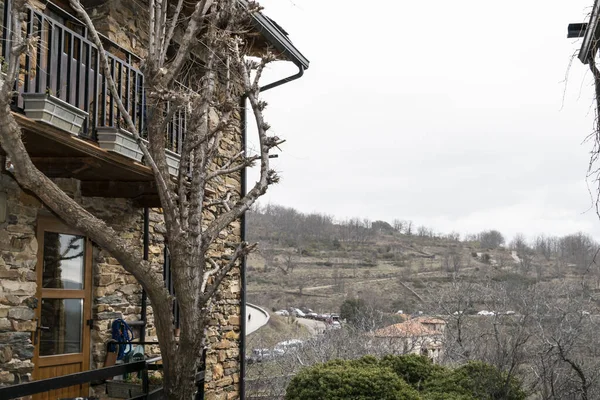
{"type": "Point", "coordinates": [414, 369]}
{"type": "Point", "coordinates": [353, 311]}
{"type": "Point", "coordinates": [478, 380]}
{"type": "Point", "coordinates": [341, 380]}
{"type": "Point", "coordinates": [407, 377]}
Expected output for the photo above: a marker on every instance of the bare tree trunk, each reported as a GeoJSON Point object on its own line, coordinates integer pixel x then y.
{"type": "Point", "coordinates": [200, 258]}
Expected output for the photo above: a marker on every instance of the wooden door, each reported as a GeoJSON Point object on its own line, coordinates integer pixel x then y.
{"type": "Point", "coordinates": [64, 287]}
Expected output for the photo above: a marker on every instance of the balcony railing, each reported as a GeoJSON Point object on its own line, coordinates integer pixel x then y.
{"type": "Point", "coordinates": [65, 64]}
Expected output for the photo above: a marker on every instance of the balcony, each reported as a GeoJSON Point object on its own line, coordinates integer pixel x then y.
{"type": "Point", "coordinates": [69, 118]}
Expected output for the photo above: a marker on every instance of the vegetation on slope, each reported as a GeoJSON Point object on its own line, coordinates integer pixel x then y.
{"type": "Point", "coordinates": [408, 377]}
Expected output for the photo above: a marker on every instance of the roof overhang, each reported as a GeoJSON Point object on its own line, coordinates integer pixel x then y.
{"type": "Point", "coordinates": [591, 36]}
{"type": "Point", "coordinates": [274, 35]}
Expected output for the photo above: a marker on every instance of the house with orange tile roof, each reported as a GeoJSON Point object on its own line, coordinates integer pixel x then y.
{"type": "Point", "coordinates": [421, 335]}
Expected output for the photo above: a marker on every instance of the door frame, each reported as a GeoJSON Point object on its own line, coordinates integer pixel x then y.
{"type": "Point", "coordinates": [53, 224]}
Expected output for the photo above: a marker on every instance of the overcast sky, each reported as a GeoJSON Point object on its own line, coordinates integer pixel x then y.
{"type": "Point", "coordinates": [453, 114]}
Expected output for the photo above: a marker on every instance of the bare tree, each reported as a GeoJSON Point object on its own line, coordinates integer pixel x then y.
{"type": "Point", "coordinates": [566, 362]}
{"type": "Point", "coordinates": [289, 263]}
{"type": "Point", "coordinates": [490, 239]}
{"type": "Point", "coordinates": [286, 265]}
{"type": "Point", "coordinates": [409, 228]}
{"type": "Point", "coordinates": [200, 260]}
{"type": "Point", "coordinates": [519, 244]}
{"type": "Point", "coordinates": [423, 231]}
{"type": "Point", "coordinates": [452, 261]}
{"type": "Point", "coordinates": [398, 225]}
{"type": "Point", "coordinates": [269, 379]}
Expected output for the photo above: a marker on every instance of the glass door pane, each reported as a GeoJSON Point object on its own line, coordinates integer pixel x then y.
{"type": "Point", "coordinates": [64, 261]}
{"type": "Point", "coordinates": [61, 326]}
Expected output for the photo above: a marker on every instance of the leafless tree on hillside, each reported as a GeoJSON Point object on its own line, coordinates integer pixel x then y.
{"type": "Point", "coordinates": [398, 225]}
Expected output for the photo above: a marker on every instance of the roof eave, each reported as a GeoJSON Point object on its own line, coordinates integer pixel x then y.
{"type": "Point", "coordinates": [591, 34]}
{"type": "Point", "coordinates": [276, 38]}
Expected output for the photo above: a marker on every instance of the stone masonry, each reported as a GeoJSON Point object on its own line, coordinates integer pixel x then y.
{"type": "Point", "coordinates": [116, 294]}
{"type": "Point", "coordinates": [18, 257]}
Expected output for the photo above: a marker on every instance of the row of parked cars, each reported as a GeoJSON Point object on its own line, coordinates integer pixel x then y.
{"type": "Point", "coordinates": [280, 349]}
{"type": "Point", "coordinates": [494, 313]}
{"type": "Point", "coordinates": [331, 319]}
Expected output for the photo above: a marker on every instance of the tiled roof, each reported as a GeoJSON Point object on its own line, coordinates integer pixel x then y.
{"type": "Point", "coordinates": [409, 328]}
{"type": "Point", "coordinates": [430, 320]}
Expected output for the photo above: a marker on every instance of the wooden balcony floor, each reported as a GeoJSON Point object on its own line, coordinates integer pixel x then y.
{"type": "Point", "coordinates": [102, 174]}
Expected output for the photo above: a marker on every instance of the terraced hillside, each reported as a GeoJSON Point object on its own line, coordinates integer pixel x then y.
{"type": "Point", "coordinates": [312, 261]}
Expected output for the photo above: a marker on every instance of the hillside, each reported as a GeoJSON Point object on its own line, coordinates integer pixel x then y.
{"type": "Point", "coordinates": [311, 260]}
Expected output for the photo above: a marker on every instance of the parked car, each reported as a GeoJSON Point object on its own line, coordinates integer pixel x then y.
{"type": "Point", "coordinates": [298, 313]}
{"type": "Point", "coordinates": [336, 325]}
{"type": "Point", "coordinates": [260, 355]}
{"type": "Point", "coordinates": [288, 345]}
{"type": "Point", "coordinates": [283, 313]}
{"type": "Point", "coordinates": [486, 313]}
{"type": "Point", "coordinates": [312, 315]}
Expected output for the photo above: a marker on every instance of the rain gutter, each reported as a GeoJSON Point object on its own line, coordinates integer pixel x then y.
{"type": "Point", "coordinates": [591, 36]}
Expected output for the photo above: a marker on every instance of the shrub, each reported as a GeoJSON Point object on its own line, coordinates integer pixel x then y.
{"type": "Point", "coordinates": [413, 368]}
{"type": "Point", "coordinates": [478, 380]}
{"type": "Point", "coordinates": [340, 380]}
{"type": "Point", "coordinates": [407, 377]}
{"type": "Point", "coordinates": [354, 311]}
{"type": "Point", "coordinates": [419, 285]}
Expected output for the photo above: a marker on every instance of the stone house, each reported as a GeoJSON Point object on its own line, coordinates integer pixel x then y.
{"type": "Point", "coordinates": [420, 335]}
{"type": "Point", "coordinates": [59, 292]}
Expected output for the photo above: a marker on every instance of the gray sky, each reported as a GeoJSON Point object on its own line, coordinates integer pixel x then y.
{"type": "Point", "coordinates": [447, 113]}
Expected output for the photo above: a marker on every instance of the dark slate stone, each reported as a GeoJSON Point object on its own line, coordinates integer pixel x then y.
{"type": "Point", "coordinates": [21, 313]}
{"type": "Point", "coordinates": [110, 315]}
{"type": "Point", "coordinates": [113, 299]}
{"type": "Point", "coordinates": [20, 343]}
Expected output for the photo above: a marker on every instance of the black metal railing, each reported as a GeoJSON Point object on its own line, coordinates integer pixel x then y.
{"type": "Point", "coordinates": [101, 374]}
{"type": "Point", "coordinates": [80, 378]}
{"type": "Point", "coordinates": [66, 64]}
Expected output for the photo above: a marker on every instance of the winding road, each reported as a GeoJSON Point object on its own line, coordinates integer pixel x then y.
{"type": "Point", "coordinates": [257, 318]}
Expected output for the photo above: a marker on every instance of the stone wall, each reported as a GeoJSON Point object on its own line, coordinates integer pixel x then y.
{"type": "Point", "coordinates": [115, 292]}
{"type": "Point", "coordinates": [120, 22]}
{"type": "Point", "coordinates": [223, 355]}
{"type": "Point", "coordinates": [18, 257]}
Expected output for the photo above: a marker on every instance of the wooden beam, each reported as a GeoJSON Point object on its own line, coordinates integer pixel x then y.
{"type": "Point", "coordinates": [64, 167]}
{"type": "Point", "coordinates": [147, 200]}
{"type": "Point", "coordinates": [114, 189]}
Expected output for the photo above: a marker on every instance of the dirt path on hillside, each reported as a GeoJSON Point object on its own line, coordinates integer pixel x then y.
{"type": "Point", "coordinates": [347, 283]}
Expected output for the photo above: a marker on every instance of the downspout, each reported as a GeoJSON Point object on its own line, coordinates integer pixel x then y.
{"type": "Point", "coordinates": [146, 251]}
{"type": "Point", "coordinates": [244, 230]}
{"type": "Point", "coordinates": [143, 314]}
